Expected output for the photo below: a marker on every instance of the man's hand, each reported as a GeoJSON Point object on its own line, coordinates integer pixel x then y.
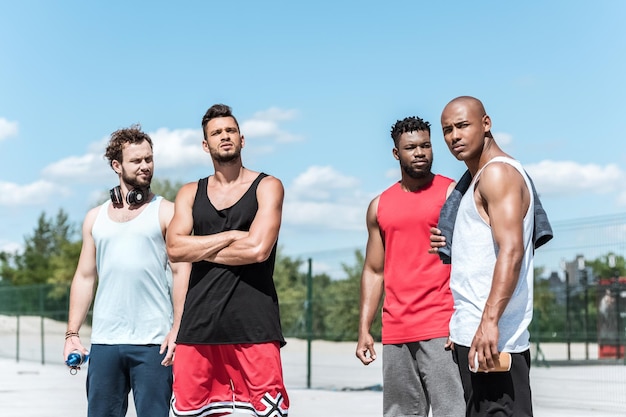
{"type": "Point", "coordinates": [169, 344]}
{"type": "Point", "coordinates": [437, 240]}
{"type": "Point", "coordinates": [365, 349]}
{"type": "Point", "coordinates": [73, 343]}
{"type": "Point", "coordinates": [485, 346]}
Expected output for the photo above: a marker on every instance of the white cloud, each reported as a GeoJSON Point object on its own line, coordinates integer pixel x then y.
{"type": "Point", "coordinates": [11, 247]}
{"type": "Point", "coordinates": [325, 214]}
{"type": "Point", "coordinates": [178, 148]}
{"type": "Point", "coordinates": [33, 194]}
{"type": "Point", "coordinates": [621, 199]}
{"type": "Point", "coordinates": [172, 149]}
{"type": "Point", "coordinates": [393, 174]}
{"type": "Point", "coordinates": [320, 182]}
{"type": "Point", "coordinates": [559, 178]}
{"type": "Point", "coordinates": [7, 128]}
{"type": "Point", "coordinates": [266, 124]}
{"type": "Point", "coordinates": [259, 128]}
{"type": "Point", "coordinates": [324, 197]}
{"type": "Point", "coordinates": [85, 168]}
{"type": "Point", "coordinates": [502, 138]}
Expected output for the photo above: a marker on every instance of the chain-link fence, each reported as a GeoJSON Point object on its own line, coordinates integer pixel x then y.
{"type": "Point", "coordinates": [580, 305]}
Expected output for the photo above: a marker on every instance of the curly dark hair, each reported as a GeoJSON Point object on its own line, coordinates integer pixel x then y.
{"type": "Point", "coordinates": [215, 111]}
{"type": "Point", "coordinates": [408, 124]}
{"type": "Point", "coordinates": [119, 138]}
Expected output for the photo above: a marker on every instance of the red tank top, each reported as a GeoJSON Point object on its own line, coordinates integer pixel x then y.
{"type": "Point", "coordinates": [418, 302]}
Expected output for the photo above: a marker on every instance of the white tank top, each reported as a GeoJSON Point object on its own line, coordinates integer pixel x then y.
{"type": "Point", "coordinates": [133, 300]}
{"type": "Point", "coordinates": [474, 257]}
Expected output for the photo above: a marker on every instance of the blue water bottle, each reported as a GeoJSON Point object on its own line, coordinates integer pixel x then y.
{"type": "Point", "coordinates": [75, 359]}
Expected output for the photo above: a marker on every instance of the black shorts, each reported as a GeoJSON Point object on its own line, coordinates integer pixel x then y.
{"type": "Point", "coordinates": [497, 393]}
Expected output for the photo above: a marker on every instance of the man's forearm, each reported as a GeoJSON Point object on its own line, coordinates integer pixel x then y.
{"type": "Point", "coordinates": [241, 252]}
{"type": "Point", "coordinates": [197, 248]}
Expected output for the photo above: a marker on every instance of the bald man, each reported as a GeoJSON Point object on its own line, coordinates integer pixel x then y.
{"type": "Point", "coordinates": [492, 267]}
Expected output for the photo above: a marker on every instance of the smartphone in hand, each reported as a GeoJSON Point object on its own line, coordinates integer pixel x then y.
{"type": "Point", "coordinates": [502, 363]}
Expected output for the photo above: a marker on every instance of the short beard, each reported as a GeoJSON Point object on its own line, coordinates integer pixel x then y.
{"type": "Point", "coordinates": [228, 158]}
{"type": "Point", "coordinates": [133, 183]}
{"type": "Point", "coordinates": [416, 175]}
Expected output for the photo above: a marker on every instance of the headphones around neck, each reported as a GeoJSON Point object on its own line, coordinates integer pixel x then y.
{"type": "Point", "coordinates": [135, 197]}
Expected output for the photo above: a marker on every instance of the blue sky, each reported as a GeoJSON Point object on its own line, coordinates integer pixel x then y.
{"type": "Point", "coordinates": [316, 88]}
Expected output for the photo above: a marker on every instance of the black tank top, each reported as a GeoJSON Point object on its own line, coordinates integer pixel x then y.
{"type": "Point", "coordinates": [229, 304]}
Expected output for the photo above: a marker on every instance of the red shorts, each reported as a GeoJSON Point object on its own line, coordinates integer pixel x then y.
{"type": "Point", "coordinates": [214, 380]}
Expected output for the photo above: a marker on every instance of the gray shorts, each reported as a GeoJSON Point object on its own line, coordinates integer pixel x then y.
{"type": "Point", "coordinates": [421, 375]}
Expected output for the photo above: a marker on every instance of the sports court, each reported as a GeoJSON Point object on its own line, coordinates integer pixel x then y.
{"type": "Point", "coordinates": [340, 385]}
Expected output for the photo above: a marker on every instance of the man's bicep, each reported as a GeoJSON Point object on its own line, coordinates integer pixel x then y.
{"type": "Point", "coordinates": [266, 223]}
{"type": "Point", "coordinates": [374, 255]}
{"type": "Point", "coordinates": [505, 208]}
{"type": "Point", "coordinates": [375, 249]}
{"type": "Point", "coordinates": [86, 267]}
{"type": "Point", "coordinates": [182, 218]}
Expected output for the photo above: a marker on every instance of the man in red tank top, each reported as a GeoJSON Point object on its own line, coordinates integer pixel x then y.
{"type": "Point", "coordinates": [418, 369]}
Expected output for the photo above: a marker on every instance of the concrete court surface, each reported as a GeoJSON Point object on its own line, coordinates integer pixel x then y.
{"type": "Point", "coordinates": [341, 387]}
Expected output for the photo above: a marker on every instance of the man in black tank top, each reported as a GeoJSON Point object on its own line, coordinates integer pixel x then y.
{"type": "Point", "coordinates": [227, 225]}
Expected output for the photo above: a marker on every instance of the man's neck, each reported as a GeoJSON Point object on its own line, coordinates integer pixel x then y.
{"type": "Point", "coordinates": [413, 184]}
{"type": "Point", "coordinates": [490, 150]}
{"type": "Point", "coordinates": [228, 173]}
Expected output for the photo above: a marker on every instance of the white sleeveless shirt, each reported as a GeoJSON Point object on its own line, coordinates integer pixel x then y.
{"type": "Point", "coordinates": [474, 253]}
{"type": "Point", "coordinates": [133, 302]}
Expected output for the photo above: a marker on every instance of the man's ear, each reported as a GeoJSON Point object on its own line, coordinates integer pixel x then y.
{"type": "Point", "coordinates": [117, 166]}
{"type": "Point", "coordinates": [395, 153]}
{"type": "Point", "coordinates": [487, 123]}
{"type": "Point", "coordinates": [243, 141]}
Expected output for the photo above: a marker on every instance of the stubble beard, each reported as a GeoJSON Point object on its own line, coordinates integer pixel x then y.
{"type": "Point", "coordinates": [134, 182]}
{"type": "Point", "coordinates": [228, 158]}
{"type": "Point", "coordinates": [417, 173]}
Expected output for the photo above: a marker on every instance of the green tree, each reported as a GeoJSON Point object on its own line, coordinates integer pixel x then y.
{"type": "Point", "coordinates": [549, 315]}
{"type": "Point", "coordinates": [165, 188]}
{"type": "Point", "coordinates": [602, 268]}
{"type": "Point", "coordinates": [62, 268]}
{"type": "Point", "coordinates": [320, 305]}
{"type": "Point", "coordinates": [290, 285]}
{"type": "Point", "coordinates": [49, 255]}
{"type": "Point", "coordinates": [344, 297]}
{"type": "Point", "coordinates": [290, 278]}
{"type": "Point", "coordinates": [48, 241]}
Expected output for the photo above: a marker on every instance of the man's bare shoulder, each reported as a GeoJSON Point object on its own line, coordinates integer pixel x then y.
{"type": "Point", "coordinates": [500, 173]}
{"type": "Point", "coordinates": [166, 209]}
{"type": "Point", "coordinates": [271, 182]}
{"type": "Point", "coordinates": [501, 181]}
{"type": "Point", "coordinates": [372, 210]}
{"type": "Point", "coordinates": [187, 190]}
{"type": "Point", "coordinates": [90, 217]}
{"type": "Point", "coordinates": [165, 203]}
{"type": "Point", "coordinates": [94, 211]}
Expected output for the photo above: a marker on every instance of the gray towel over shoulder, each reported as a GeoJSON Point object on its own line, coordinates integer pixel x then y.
{"type": "Point", "coordinates": [542, 232]}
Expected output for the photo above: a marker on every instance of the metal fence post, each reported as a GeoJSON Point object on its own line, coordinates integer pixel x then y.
{"type": "Point", "coordinates": [309, 321]}
{"type": "Point", "coordinates": [17, 338]}
{"type": "Point", "coordinates": [41, 325]}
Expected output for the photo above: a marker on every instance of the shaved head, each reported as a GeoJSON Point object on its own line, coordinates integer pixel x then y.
{"type": "Point", "coordinates": [474, 105]}
{"type": "Point", "coordinates": [470, 106]}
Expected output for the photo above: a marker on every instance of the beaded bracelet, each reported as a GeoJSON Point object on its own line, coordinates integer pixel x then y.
{"type": "Point", "coordinates": [70, 333]}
